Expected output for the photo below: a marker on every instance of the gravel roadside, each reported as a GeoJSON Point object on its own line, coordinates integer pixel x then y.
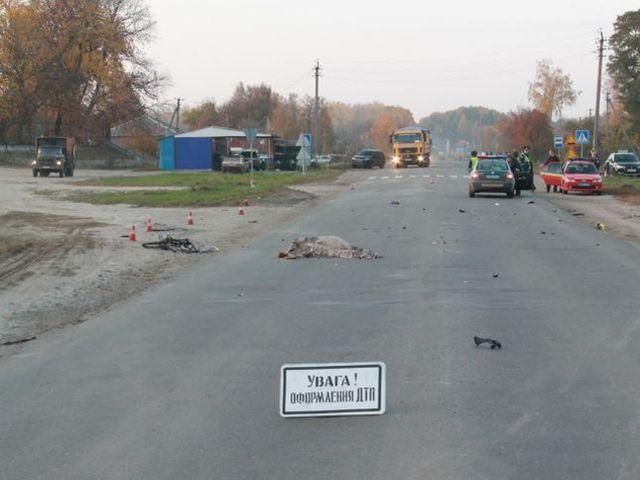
{"type": "Point", "coordinates": [62, 262]}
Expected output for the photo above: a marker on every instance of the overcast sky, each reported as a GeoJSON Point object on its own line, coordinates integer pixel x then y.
{"type": "Point", "coordinates": [424, 55]}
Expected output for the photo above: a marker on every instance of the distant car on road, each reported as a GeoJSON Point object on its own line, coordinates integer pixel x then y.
{"type": "Point", "coordinates": [581, 176]}
{"type": "Point", "coordinates": [492, 174]}
{"type": "Point", "coordinates": [369, 158]}
{"type": "Point", "coordinates": [622, 163]}
{"type": "Point", "coordinates": [551, 174]}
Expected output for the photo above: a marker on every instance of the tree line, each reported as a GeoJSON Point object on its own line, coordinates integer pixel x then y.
{"type": "Point", "coordinates": [341, 127]}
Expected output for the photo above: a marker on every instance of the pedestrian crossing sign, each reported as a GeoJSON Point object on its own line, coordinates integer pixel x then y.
{"type": "Point", "coordinates": [582, 136]}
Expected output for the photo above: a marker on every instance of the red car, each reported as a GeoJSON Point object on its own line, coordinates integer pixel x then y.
{"type": "Point", "coordinates": [581, 176]}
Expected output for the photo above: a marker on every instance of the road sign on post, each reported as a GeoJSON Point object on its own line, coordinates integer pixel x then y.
{"type": "Point", "coordinates": [332, 389]}
{"type": "Point", "coordinates": [251, 134]}
{"type": "Point", "coordinates": [304, 155]}
{"type": "Point", "coordinates": [557, 141]}
{"type": "Point", "coordinates": [582, 138]}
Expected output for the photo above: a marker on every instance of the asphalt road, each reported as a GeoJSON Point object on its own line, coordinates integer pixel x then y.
{"type": "Point", "coordinates": [182, 382]}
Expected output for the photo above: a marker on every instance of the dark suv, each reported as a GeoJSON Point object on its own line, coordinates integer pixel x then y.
{"type": "Point", "coordinates": [369, 158]}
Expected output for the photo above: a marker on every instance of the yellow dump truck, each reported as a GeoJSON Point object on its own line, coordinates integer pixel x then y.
{"type": "Point", "coordinates": [411, 146]}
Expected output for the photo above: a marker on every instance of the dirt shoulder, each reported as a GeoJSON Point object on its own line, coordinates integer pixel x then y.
{"type": "Point", "coordinates": [620, 218]}
{"type": "Point", "coordinates": [61, 261]}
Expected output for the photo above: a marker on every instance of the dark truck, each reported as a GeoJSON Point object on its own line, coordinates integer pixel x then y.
{"type": "Point", "coordinates": [54, 155]}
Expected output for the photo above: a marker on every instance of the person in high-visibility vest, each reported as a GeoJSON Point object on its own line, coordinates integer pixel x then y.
{"type": "Point", "coordinates": [473, 161]}
{"type": "Point", "coordinates": [527, 163]}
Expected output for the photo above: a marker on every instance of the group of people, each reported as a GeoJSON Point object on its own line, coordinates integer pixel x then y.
{"type": "Point", "coordinates": [553, 158]}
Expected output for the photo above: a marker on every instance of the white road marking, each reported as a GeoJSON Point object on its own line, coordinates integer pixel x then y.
{"type": "Point", "coordinates": [412, 176]}
{"type": "Point", "coordinates": [426, 176]}
{"type": "Point", "coordinates": [373, 178]}
{"type": "Point", "coordinates": [384, 178]}
{"type": "Point", "coordinates": [440, 176]}
{"type": "Point", "coordinates": [453, 176]}
{"type": "Point", "coordinates": [398, 176]}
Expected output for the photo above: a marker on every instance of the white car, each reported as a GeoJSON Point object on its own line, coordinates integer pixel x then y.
{"type": "Point", "coordinates": [321, 160]}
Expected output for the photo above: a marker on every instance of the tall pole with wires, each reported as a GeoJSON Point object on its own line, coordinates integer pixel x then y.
{"type": "Point", "coordinates": [179, 100]}
{"type": "Point", "coordinates": [316, 111]}
{"type": "Point", "coordinates": [596, 122]}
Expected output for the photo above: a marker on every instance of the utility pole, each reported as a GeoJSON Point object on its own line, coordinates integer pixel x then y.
{"type": "Point", "coordinates": [598, 91]}
{"type": "Point", "coordinates": [316, 111]}
{"type": "Point", "coordinates": [178, 113]}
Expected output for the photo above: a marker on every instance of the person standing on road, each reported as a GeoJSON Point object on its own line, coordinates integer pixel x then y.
{"type": "Point", "coordinates": [473, 161]}
{"type": "Point", "coordinates": [527, 164]}
{"type": "Point", "coordinates": [514, 163]}
{"type": "Point", "coordinates": [595, 158]}
{"type": "Point", "coordinates": [552, 158]}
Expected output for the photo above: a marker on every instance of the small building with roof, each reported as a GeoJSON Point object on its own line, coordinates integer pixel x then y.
{"type": "Point", "coordinates": [203, 149]}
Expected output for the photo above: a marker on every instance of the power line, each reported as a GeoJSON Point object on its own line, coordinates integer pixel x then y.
{"type": "Point", "coordinates": [558, 43]}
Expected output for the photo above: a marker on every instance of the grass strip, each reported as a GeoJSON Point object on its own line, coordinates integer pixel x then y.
{"type": "Point", "coordinates": [621, 185]}
{"type": "Point", "coordinates": [206, 189]}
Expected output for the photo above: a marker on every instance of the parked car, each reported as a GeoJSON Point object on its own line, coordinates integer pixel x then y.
{"type": "Point", "coordinates": [492, 174]}
{"type": "Point", "coordinates": [581, 176]}
{"type": "Point", "coordinates": [551, 174]}
{"type": "Point", "coordinates": [240, 161]}
{"type": "Point", "coordinates": [235, 164]}
{"type": "Point", "coordinates": [369, 158]}
{"type": "Point", "coordinates": [622, 163]}
{"type": "Point", "coordinates": [321, 161]}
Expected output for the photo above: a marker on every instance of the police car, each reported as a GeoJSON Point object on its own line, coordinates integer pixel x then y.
{"type": "Point", "coordinates": [622, 163]}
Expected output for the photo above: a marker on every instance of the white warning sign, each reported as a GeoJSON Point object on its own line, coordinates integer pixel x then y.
{"type": "Point", "coordinates": [334, 389]}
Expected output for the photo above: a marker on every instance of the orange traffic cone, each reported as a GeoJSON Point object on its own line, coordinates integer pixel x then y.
{"type": "Point", "coordinates": [132, 234]}
{"type": "Point", "coordinates": [149, 225]}
{"type": "Point", "coordinates": [190, 218]}
{"type": "Point", "coordinates": [240, 211]}
{"type": "Point", "coordinates": [245, 202]}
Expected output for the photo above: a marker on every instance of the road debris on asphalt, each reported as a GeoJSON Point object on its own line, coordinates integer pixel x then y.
{"type": "Point", "coordinates": [600, 226]}
{"type": "Point", "coordinates": [531, 202]}
{"type": "Point", "coordinates": [395, 203]}
{"type": "Point", "coordinates": [17, 342]}
{"type": "Point", "coordinates": [461, 210]}
{"type": "Point", "coordinates": [178, 245]}
{"type": "Point", "coordinates": [495, 275]}
{"type": "Point", "coordinates": [493, 344]}
{"type": "Point", "coordinates": [326, 246]}
{"type": "Point", "coordinates": [161, 227]}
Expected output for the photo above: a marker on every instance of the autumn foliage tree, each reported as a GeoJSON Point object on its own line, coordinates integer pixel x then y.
{"type": "Point", "coordinates": [552, 90]}
{"type": "Point", "coordinates": [526, 127]}
{"type": "Point", "coordinates": [77, 64]}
